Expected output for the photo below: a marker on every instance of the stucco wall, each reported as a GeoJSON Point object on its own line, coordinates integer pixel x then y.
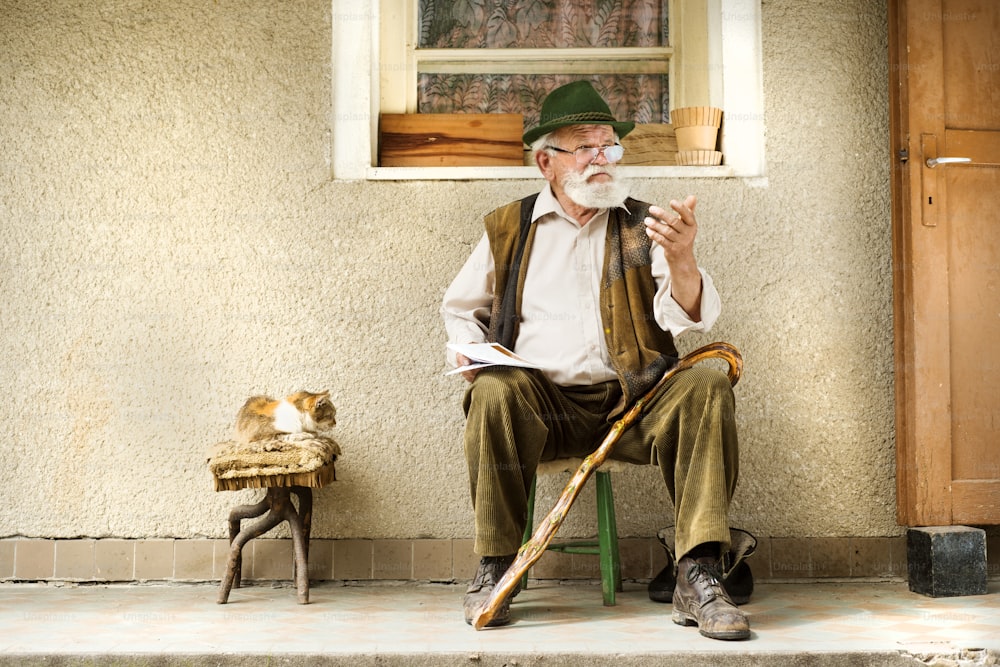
{"type": "Point", "coordinates": [173, 242]}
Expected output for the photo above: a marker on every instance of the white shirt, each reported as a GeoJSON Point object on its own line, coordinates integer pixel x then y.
{"type": "Point", "coordinates": [561, 328]}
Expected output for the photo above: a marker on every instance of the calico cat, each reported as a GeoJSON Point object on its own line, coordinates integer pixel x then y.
{"type": "Point", "coordinates": [303, 412]}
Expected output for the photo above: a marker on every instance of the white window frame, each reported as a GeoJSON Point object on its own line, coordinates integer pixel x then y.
{"type": "Point", "coordinates": [732, 49]}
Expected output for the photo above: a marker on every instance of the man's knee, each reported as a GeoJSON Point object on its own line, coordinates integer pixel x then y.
{"type": "Point", "coordinates": [704, 390]}
{"type": "Point", "coordinates": [706, 380]}
{"type": "Point", "coordinates": [497, 386]}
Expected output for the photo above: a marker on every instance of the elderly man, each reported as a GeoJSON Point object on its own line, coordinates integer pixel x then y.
{"type": "Point", "coordinates": [593, 286]}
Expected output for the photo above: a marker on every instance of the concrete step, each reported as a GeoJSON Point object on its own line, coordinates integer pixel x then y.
{"type": "Point", "coordinates": [879, 624]}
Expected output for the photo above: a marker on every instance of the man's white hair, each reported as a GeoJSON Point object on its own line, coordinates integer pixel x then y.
{"type": "Point", "coordinates": [540, 143]}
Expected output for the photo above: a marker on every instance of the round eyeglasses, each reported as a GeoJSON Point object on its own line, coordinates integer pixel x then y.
{"type": "Point", "coordinates": [587, 154]}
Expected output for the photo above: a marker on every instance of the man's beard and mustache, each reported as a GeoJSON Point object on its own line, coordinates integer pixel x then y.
{"type": "Point", "coordinates": [609, 194]}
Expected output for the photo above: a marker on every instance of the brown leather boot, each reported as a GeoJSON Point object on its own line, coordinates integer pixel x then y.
{"type": "Point", "coordinates": [491, 569]}
{"type": "Point", "coordinates": [700, 599]}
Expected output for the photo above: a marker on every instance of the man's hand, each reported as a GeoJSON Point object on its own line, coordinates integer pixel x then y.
{"type": "Point", "coordinates": [465, 361]}
{"type": "Point", "coordinates": [675, 232]}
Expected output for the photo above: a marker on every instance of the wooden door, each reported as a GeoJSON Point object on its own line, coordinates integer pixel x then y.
{"type": "Point", "coordinates": [945, 103]}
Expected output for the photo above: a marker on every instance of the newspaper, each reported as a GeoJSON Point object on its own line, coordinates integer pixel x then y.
{"type": "Point", "coordinates": [487, 354]}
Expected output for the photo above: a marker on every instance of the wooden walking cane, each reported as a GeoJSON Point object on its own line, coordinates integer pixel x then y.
{"type": "Point", "coordinates": [532, 550]}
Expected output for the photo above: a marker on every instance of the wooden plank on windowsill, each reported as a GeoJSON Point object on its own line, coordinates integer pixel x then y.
{"type": "Point", "coordinates": [450, 140]}
{"type": "Point", "coordinates": [650, 144]}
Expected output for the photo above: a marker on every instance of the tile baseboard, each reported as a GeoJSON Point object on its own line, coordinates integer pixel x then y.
{"type": "Point", "coordinates": [204, 559]}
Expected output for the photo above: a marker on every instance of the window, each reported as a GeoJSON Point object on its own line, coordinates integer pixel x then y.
{"type": "Point", "coordinates": [645, 56]}
{"type": "Point", "coordinates": [504, 57]}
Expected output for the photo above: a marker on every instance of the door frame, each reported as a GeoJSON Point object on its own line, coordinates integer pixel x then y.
{"type": "Point", "coordinates": [922, 380]}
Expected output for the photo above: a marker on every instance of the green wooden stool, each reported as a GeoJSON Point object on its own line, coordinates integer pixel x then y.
{"type": "Point", "coordinates": [606, 544]}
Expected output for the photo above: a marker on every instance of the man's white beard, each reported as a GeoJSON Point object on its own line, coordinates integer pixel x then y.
{"type": "Point", "coordinates": [608, 194]}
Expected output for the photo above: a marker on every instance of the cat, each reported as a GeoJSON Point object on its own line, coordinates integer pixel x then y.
{"type": "Point", "coordinates": [301, 413]}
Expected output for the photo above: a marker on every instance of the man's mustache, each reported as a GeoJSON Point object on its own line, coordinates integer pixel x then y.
{"type": "Point", "coordinates": [594, 169]}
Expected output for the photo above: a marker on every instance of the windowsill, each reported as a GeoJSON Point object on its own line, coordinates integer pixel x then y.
{"type": "Point", "coordinates": [529, 172]}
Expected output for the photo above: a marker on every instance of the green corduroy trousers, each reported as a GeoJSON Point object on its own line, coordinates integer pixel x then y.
{"type": "Point", "coordinates": [516, 418]}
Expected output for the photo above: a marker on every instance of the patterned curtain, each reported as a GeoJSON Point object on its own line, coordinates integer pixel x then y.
{"type": "Point", "coordinates": [541, 24]}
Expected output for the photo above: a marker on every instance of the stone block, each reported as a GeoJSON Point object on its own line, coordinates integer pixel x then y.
{"type": "Point", "coordinates": [946, 561]}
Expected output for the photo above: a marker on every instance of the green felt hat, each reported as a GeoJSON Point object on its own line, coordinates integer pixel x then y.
{"type": "Point", "coordinates": [575, 103]}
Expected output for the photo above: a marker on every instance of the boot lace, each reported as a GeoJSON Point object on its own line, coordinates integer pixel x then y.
{"type": "Point", "coordinates": [708, 577]}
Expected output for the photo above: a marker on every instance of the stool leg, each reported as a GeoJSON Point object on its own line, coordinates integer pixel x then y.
{"type": "Point", "coordinates": [304, 494]}
{"type": "Point", "coordinates": [529, 526]}
{"type": "Point", "coordinates": [286, 510]}
{"type": "Point", "coordinates": [607, 536]}
{"type": "Point", "coordinates": [272, 519]}
{"type": "Point", "coordinates": [237, 515]}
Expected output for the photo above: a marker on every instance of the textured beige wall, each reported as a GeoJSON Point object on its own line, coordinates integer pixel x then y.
{"type": "Point", "coordinates": [173, 242]}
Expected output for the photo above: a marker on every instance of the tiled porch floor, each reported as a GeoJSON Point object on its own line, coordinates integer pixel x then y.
{"type": "Point", "coordinates": [409, 624]}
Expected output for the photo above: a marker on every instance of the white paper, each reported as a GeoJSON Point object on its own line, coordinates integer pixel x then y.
{"type": "Point", "coordinates": [488, 354]}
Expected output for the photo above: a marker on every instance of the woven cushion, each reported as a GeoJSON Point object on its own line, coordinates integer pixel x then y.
{"type": "Point", "coordinates": [291, 460]}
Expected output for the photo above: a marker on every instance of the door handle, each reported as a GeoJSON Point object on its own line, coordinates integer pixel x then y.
{"type": "Point", "coordinates": [935, 161]}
